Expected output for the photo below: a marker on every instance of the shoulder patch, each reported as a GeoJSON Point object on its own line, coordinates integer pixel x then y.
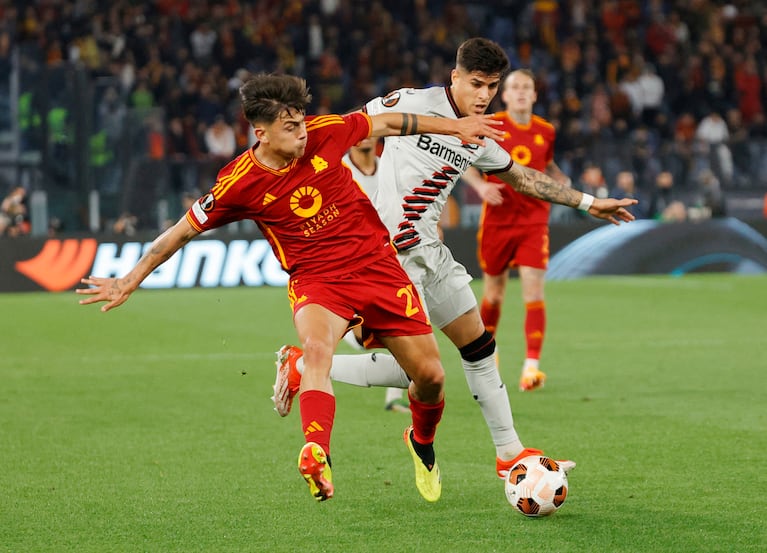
{"type": "Point", "coordinates": [207, 202]}
{"type": "Point", "coordinates": [391, 99]}
{"type": "Point", "coordinates": [202, 206]}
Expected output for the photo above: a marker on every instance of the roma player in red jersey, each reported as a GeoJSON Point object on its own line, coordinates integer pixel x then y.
{"type": "Point", "coordinates": [513, 229]}
{"type": "Point", "coordinates": [337, 251]}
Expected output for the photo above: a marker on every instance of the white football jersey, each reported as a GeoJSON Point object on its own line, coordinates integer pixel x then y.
{"type": "Point", "coordinates": [368, 183]}
{"type": "Point", "coordinates": [417, 172]}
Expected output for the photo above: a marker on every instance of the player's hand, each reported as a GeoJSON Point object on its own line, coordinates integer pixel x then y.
{"type": "Point", "coordinates": [490, 192]}
{"type": "Point", "coordinates": [111, 290]}
{"type": "Point", "coordinates": [473, 128]}
{"type": "Point", "coordinates": [613, 210]}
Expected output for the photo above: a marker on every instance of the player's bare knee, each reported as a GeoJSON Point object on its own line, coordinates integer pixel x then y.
{"type": "Point", "coordinates": [494, 289]}
{"type": "Point", "coordinates": [429, 378]}
{"type": "Point", "coordinates": [317, 354]}
{"type": "Point", "coordinates": [433, 380]}
{"type": "Point", "coordinates": [493, 298]}
{"type": "Point", "coordinates": [430, 392]}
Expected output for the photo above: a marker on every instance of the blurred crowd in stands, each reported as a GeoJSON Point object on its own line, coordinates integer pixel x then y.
{"type": "Point", "coordinates": [662, 100]}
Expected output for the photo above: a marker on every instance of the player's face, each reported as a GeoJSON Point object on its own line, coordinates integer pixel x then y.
{"type": "Point", "coordinates": [473, 91]}
{"type": "Point", "coordinates": [286, 136]}
{"type": "Point", "coordinates": [519, 93]}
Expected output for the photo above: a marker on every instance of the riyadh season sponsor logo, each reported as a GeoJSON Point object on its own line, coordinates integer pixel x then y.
{"type": "Point", "coordinates": [306, 201]}
{"type": "Point", "coordinates": [207, 263]}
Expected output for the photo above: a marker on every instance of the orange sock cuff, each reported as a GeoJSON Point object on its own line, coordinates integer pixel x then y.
{"type": "Point", "coordinates": [426, 417]}
{"type": "Point", "coordinates": [318, 409]}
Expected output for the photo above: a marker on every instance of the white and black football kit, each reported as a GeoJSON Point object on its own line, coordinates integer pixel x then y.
{"type": "Point", "coordinates": [415, 178]}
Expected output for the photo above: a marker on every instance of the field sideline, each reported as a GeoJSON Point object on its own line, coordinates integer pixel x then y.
{"type": "Point", "coordinates": [150, 428]}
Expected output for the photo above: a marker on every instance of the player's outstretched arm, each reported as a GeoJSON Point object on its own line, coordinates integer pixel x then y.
{"type": "Point", "coordinates": [539, 185]}
{"type": "Point", "coordinates": [116, 291]}
{"type": "Point", "coordinates": [471, 129]}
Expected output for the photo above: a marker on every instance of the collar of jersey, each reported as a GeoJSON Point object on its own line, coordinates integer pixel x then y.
{"type": "Point", "coordinates": [521, 127]}
{"type": "Point", "coordinates": [279, 172]}
{"type": "Point", "coordinates": [451, 100]}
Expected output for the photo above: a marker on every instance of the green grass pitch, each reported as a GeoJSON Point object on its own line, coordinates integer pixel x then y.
{"type": "Point", "coordinates": [150, 428]}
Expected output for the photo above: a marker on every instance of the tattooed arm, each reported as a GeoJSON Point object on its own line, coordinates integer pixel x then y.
{"type": "Point", "coordinates": [116, 291]}
{"type": "Point", "coordinates": [470, 129]}
{"type": "Point", "coordinates": [539, 185]}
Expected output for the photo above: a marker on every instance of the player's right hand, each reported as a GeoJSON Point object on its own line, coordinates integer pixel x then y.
{"type": "Point", "coordinates": [473, 128]}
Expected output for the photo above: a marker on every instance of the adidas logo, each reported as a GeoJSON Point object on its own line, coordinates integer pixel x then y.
{"type": "Point", "coordinates": [268, 198]}
{"type": "Point", "coordinates": [313, 426]}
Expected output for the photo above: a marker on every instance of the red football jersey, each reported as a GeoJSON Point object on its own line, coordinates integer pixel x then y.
{"type": "Point", "coordinates": [317, 220]}
{"type": "Point", "coordinates": [531, 145]}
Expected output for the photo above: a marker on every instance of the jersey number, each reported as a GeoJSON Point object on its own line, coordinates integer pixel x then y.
{"type": "Point", "coordinates": [407, 291]}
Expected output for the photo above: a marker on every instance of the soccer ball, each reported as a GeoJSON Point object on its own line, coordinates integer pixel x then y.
{"type": "Point", "coordinates": [536, 486]}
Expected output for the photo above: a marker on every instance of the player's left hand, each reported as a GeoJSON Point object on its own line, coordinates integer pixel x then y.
{"type": "Point", "coordinates": [612, 210]}
{"type": "Point", "coordinates": [110, 290]}
{"type": "Point", "coordinates": [473, 128]}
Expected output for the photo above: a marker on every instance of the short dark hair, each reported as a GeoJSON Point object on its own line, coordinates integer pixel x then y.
{"type": "Point", "coordinates": [483, 55]}
{"type": "Point", "coordinates": [264, 96]}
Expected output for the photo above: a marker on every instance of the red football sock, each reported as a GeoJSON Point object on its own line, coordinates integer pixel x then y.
{"type": "Point", "coordinates": [535, 327]}
{"type": "Point", "coordinates": [426, 417]}
{"type": "Point", "coordinates": [491, 314]}
{"type": "Point", "coordinates": [318, 409]}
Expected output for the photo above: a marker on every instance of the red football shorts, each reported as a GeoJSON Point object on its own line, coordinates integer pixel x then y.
{"type": "Point", "coordinates": [501, 247]}
{"type": "Point", "coordinates": [379, 295]}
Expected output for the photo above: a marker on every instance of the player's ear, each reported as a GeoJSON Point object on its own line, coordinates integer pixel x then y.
{"type": "Point", "coordinates": [260, 133]}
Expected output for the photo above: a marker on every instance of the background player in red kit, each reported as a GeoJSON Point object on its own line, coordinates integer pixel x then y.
{"type": "Point", "coordinates": [329, 238]}
{"type": "Point", "coordinates": [514, 227]}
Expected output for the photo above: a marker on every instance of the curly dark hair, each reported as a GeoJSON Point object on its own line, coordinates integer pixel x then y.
{"type": "Point", "coordinates": [483, 55]}
{"type": "Point", "coordinates": [264, 96]}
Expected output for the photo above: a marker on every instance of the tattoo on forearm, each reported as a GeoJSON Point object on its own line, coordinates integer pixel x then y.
{"type": "Point", "coordinates": [409, 124]}
{"type": "Point", "coordinates": [539, 185]}
{"type": "Point", "coordinates": [554, 192]}
{"type": "Point", "coordinates": [161, 249]}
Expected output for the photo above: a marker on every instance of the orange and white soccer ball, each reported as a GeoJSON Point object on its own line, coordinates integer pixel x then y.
{"type": "Point", "coordinates": [536, 486]}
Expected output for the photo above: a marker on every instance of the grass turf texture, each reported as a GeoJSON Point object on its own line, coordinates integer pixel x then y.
{"type": "Point", "coordinates": [150, 428]}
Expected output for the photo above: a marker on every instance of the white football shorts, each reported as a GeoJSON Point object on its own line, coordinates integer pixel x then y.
{"type": "Point", "coordinates": [442, 282]}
